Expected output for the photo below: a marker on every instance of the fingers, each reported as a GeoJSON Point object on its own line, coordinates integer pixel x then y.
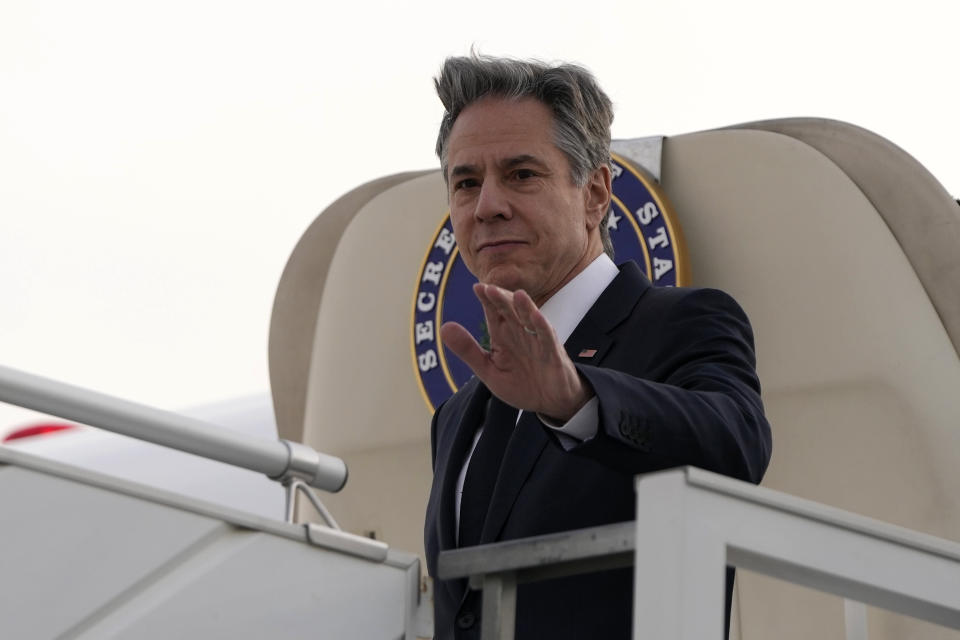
{"type": "Point", "coordinates": [519, 319]}
{"type": "Point", "coordinates": [530, 317]}
{"type": "Point", "coordinates": [456, 338]}
{"type": "Point", "coordinates": [497, 303]}
{"type": "Point", "coordinates": [526, 365]}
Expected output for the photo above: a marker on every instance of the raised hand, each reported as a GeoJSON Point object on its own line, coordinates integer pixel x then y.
{"type": "Point", "coordinates": [526, 365]}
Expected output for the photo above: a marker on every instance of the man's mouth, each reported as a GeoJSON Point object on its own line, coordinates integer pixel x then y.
{"type": "Point", "coordinates": [499, 245]}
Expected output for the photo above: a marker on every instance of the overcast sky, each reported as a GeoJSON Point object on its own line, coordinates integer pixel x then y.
{"type": "Point", "coordinates": [159, 161]}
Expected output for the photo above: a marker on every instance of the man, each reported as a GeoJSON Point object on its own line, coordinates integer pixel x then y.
{"type": "Point", "coordinates": [592, 375]}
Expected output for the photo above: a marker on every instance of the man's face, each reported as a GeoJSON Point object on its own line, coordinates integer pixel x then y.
{"type": "Point", "coordinates": [519, 220]}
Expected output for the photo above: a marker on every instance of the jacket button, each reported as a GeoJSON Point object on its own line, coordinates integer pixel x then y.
{"type": "Point", "coordinates": [466, 620]}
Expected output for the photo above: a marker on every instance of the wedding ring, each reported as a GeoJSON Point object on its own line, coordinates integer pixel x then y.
{"type": "Point", "coordinates": [529, 330]}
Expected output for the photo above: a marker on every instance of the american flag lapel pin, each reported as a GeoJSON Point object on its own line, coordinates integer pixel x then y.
{"type": "Point", "coordinates": [587, 353]}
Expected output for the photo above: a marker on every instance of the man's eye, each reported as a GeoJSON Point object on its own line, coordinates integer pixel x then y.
{"type": "Point", "coordinates": [524, 174]}
{"type": "Point", "coordinates": [466, 183]}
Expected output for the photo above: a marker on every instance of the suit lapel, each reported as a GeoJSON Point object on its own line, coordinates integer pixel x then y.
{"type": "Point", "coordinates": [452, 458]}
{"type": "Point", "coordinates": [525, 446]}
{"type": "Point", "coordinates": [470, 421]}
{"type": "Point", "coordinates": [588, 343]}
{"type": "Point", "coordinates": [616, 302]}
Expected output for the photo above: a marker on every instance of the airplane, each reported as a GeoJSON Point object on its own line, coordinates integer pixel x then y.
{"type": "Point", "coordinates": [837, 243]}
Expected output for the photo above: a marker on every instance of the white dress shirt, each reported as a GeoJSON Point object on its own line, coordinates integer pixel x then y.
{"type": "Point", "coordinates": [564, 311]}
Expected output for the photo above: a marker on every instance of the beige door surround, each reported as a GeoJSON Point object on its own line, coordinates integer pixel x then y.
{"type": "Point", "coordinates": [844, 251]}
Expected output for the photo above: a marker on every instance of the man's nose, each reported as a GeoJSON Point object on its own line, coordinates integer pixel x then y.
{"type": "Point", "coordinates": [492, 202]}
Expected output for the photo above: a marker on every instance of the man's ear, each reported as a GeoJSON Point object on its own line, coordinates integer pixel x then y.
{"type": "Point", "coordinates": [597, 194]}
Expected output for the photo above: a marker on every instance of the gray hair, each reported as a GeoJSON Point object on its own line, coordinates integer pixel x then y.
{"type": "Point", "coordinates": [582, 112]}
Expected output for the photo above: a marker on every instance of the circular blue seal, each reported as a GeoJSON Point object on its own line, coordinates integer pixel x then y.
{"type": "Point", "coordinates": [642, 226]}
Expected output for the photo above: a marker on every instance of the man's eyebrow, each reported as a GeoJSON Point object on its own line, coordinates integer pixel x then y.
{"type": "Point", "coordinates": [524, 158]}
{"type": "Point", "coordinates": [463, 169]}
{"type": "Point", "coordinates": [507, 163]}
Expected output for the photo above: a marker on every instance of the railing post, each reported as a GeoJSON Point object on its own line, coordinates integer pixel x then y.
{"type": "Point", "coordinates": [499, 612]}
{"type": "Point", "coordinates": [855, 619]}
{"type": "Point", "coordinates": [680, 565]}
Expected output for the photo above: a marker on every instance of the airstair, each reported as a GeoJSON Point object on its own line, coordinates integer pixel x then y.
{"type": "Point", "coordinates": [86, 555]}
{"type": "Point", "coordinates": [91, 556]}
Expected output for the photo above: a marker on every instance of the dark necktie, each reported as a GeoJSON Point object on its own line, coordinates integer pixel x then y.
{"type": "Point", "coordinates": [498, 425]}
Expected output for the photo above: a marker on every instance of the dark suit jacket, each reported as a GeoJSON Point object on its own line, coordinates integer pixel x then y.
{"type": "Point", "coordinates": [674, 372]}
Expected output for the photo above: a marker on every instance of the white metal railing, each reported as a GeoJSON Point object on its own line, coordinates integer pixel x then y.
{"type": "Point", "coordinates": [697, 523]}
{"type": "Point", "coordinates": [282, 460]}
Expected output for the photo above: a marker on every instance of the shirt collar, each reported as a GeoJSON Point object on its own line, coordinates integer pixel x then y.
{"type": "Point", "coordinates": [567, 307]}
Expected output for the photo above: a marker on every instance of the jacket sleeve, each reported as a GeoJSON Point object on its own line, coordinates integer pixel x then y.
{"type": "Point", "coordinates": [693, 397]}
